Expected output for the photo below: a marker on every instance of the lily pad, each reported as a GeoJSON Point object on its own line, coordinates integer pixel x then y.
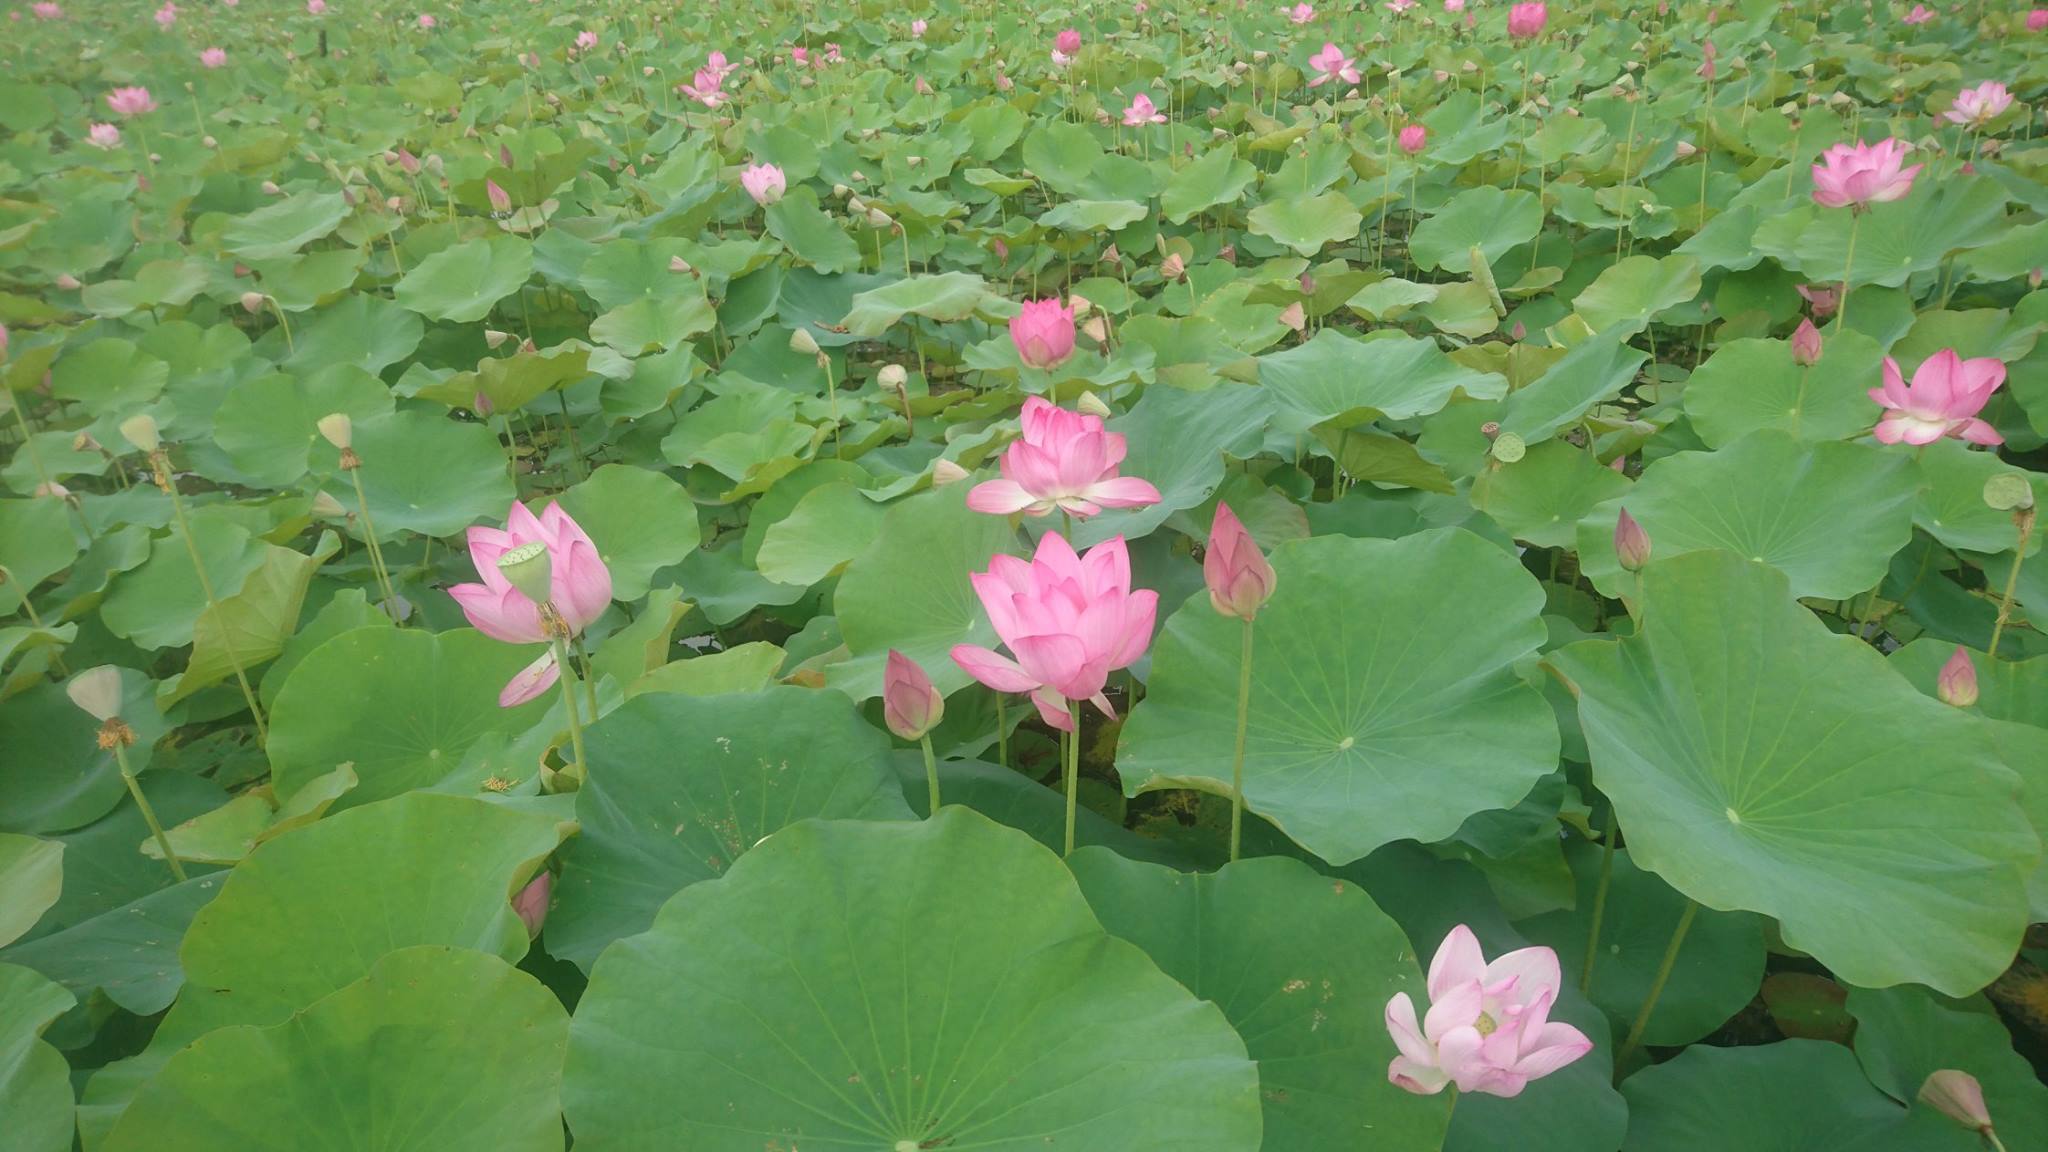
{"type": "Point", "coordinates": [464, 282]}
{"type": "Point", "coordinates": [1335, 377]}
{"type": "Point", "coordinates": [31, 875]}
{"type": "Point", "coordinates": [1752, 383]}
{"type": "Point", "coordinates": [1306, 223]}
{"type": "Point", "coordinates": [1494, 220]}
{"type": "Point", "coordinates": [426, 473]}
{"type": "Point", "coordinates": [640, 520]}
{"type": "Point", "coordinates": [35, 1081]}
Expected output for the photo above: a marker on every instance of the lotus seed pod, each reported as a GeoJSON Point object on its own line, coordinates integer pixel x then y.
{"type": "Point", "coordinates": [529, 569]}
{"type": "Point", "coordinates": [1093, 405]}
{"type": "Point", "coordinates": [892, 377]}
{"type": "Point", "coordinates": [1508, 448]}
{"type": "Point", "coordinates": [2008, 492]}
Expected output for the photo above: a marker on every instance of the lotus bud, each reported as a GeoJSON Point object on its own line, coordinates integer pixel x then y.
{"type": "Point", "coordinates": [52, 488]}
{"type": "Point", "coordinates": [529, 569]}
{"type": "Point", "coordinates": [327, 507]}
{"type": "Point", "coordinates": [803, 343]}
{"type": "Point", "coordinates": [494, 338]}
{"type": "Point", "coordinates": [1958, 1096]}
{"type": "Point", "coordinates": [946, 472]}
{"type": "Point", "coordinates": [1111, 256]}
{"type": "Point", "coordinates": [1518, 333]}
{"type": "Point", "coordinates": [68, 282]}
{"type": "Point", "coordinates": [532, 902]}
{"type": "Point", "coordinates": [1096, 329]}
{"type": "Point", "coordinates": [209, 142]}
{"type": "Point", "coordinates": [252, 302]}
{"type": "Point", "coordinates": [879, 218]}
{"type": "Point", "coordinates": [270, 188]}
{"type": "Point", "coordinates": [141, 431]}
{"type": "Point", "coordinates": [910, 705]}
{"type": "Point", "coordinates": [1239, 578]}
{"type": "Point", "coordinates": [84, 442]}
{"type": "Point", "coordinates": [1093, 405]}
{"type": "Point", "coordinates": [1001, 250]}
{"type": "Point", "coordinates": [678, 264]}
{"type": "Point", "coordinates": [892, 378]}
{"type": "Point", "coordinates": [97, 691]}
{"type": "Point", "coordinates": [1806, 344]}
{"type": "Point", "coordinates": [1307, 282]}
{"type": "Point", "coordinates": [1079, 304]}
{"type": "Point", "coordinates": [1631, 543]}
{"type": "Point", "coordinates": [1227, 253]}
{"type": "Point", "coordinates": [1956, 684]}
{"type": "Point", "coordinates": [855, 206]}
{"type": "Point", "coordinates": [1173, 267]}
{"type": "Point", "coordinates": [337, 429]}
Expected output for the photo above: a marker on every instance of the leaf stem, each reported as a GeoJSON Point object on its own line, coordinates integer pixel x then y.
{"type": "Point", "coordinates": [227, 642]}
{"type": "Point", "coordinates": [1600, 896]}
{"type": "Point", "coordinates": [156, 829]}
{"type": "Point", "coordinates": [1636, 1030]}
{"type": "Point", "coordinates": [1073, 772]}
{"type": "Point", "coordinates": [581, 769]}
{"type": "Point", "coordinates": [1244, 700]}
{"type": "Point", "coordinates": [375, 549]}
{"type": "Point", "coordinates": [2024, 518]}
{"type": "Point", "coordinates": [1848, 268]}
{"type": "Point", "coordinates": [931, 771]}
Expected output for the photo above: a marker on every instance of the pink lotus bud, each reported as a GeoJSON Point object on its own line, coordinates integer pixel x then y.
{"type": "Point", "coordinates": [501, 201]}
{"type": "Point", "coordinates": [1096, 329]}
{"type": "Point", "coordinates": [1043, 331]}
{"type": "Point", "coordinates": [1957, 684]}
{"type": "Point", "coordinates": [481, 404]}
{"type": "Point", "coordinates": [1413, 138]}
{"type": "Point", "coordinates": [678, 264]}
{"type": "Point", "coordinates": [532, 902]}
{"type": "Point", "coordinates": [1227, 253]}
{"type": "Point", "coordinates": [1004, 83]}
{"type": "Point", "coordinates": [494, 338]}
{"type": "Point", "coordinates": [270, 188]}
{"type": "Point", "coordinates": [1068, 42]}
{"type": "Point", "coordinates": [1806, 344]}
{"type": "Point", "coordinates": [1631, 543]}
{"type": "Point", "coordinates": [1518, 333]}
{"type": "Point", "coordinates": [1958, 1096]}
{"type": "Point", "coordinates": [68, 282]}
{"type": "Point", "coordinates": [1240, 579]}
{"type": "Point", "coordinates": [1527, 20]}
{"type": "Point", "coordinates": [1173, 267]}
{"type": "Point", "coordinates": [2037, 20]}
{"type": "Point", "coordinates": [910, 705]}
{"type": "Point", "coordinates": [252, 302]}
{"type": "Point", "coordinates": [1001, 250]}
{"type": "Point", "coordinates": [1686, 149]}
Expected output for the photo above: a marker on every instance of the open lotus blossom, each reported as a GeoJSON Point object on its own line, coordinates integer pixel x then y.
{"type": "Point", "coordinates": [1856, 175]}
{"type": "Point", "coordinates": [580, 589]}
{"type": "Point", "coordinates": [1142, 111]}
{"type": "Point", "coordinates": [917, 28]}
{"type": "Point", "coordinates": [1823, 298]}
{"type": "Point", "coordinates": [317, 7]}
{"type": "Point", "coordinates": [167, 15]}
{"type": "Point", "coordinates": [1920, 14]}
{"type": "Point", "coordinates": [1331, 64]}
{"type": "Point", "coordinates": [1527, 20]}
{"type": "Point", "coordinates": [130, 101]}
{"type": "Point", "coordinates": [1300, 13]}
{"type": "Point", "coordinates": [103, 136]}
{"type": "Point", "coordinates": [1414, 138]}
{"type": "Point", "coordinates": [1979, 106]}
{"type": "Point", "coordinates": [1397, 7]}
{"type": "Point", "coordinates": [764, 182]}
{"type": "Point", "coordinates": [586, 40]}
{"type": "Point", "coordinates": [1488, 1028]}
{"type": "Point", "coordinates": [704, 88]}
{"type": "Point", "coordinates": [1070, 620]}
{"type": "Point", "coordinates": [718, 67]}
{"type": "Point", "coordinates": [213, 58]}
{"type": "Point", "coordinates": [427, 21]}
{"type": "Point", "coordinates": [47, 11]}
{"type": "Point", "coordinates": [1043, 331]}
{"type": "Point", "coordinates": [1064, 460]}
{"type": "Point", "coordinates": [2037, 19]}
{"type": "Point", "coordinates": [832, 55]}
{"type": "Point", "coordinates": [1454, 6]}
{"type": "Point", "coordinates": [1944, 398]}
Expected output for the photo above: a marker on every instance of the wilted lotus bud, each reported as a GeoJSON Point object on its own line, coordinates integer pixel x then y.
{"type": "Point", "coordinates": [529, 569]}
{"type": "Point", "coordinates": [52, 488]}
{"type": "Point", "coordinates": [1096, 328]}
{"type": "Point", "coordinates": [68, 282]}
{"type": "Point", "coordinates": [1004, 83]}
{"type": "Point", "coordinates": [209, 142]}
{"type": "Point", "coordinates": [946, 472]}
{"type": "Point", "coordinates": [327, 507]}
{"type": "Point", "coordinates": [493, 338]}
{"type": "Point", "coordinates": [1173, 267]}
{"type": "Point", "coordinates": [337, 429]}
{"type": "Point", "coordinates": [1260, 56]}
{"type": "Point", "coordinates": [532, 902]}
{"type": "Point", "coordinates": [855, 205]}
{"type": "Point", "coordinates": [141, 431]}
{"type": "Point", "coordinates": [678, 264]}
{"type": "Point", "coordinates": [1093, 405]}
{"type": "Point", "coordinates": [1686, 150]}
{"type": "Point", "coordinates": [1957, 683]}
{"type": "Point", "coordinates": [879, 218]}
{"type": "Point", "coordinates": [803, 343]}
{"type": "Point", "coordinates": [910, 705]}
{"type": "Point", "coordinates": [97, 691]}
{"type": "Point", "coordinates": [1958, 1096]}
{"type": "Point", "coordinates": [408, 163]}
{"type": "Point", "coordinates": [252, 302]}
{"type": "Point", "coordinates": [1227, 253]}
{"type": "Point", "coordinates": [1631, 543]}
{"type": "Point", "coordinates": [84, 442]}
{"type": "Point", "coordinates": [1294, 317]}
{"type": "Point", "coordinates": [892, 378]}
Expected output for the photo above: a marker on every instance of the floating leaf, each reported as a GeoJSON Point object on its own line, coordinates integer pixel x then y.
{"type": "Point", "coordinates": [31, 876]}
{"type": "Point", "coordinates": [1750, 384]}
{"type": "Point", "coordinates": [286, 226]}
{"type": "Point", "coordinates": [35, 1081]}
{"type": "Point", "coordinates": [1335, 377]}
{"type": "Point", "coordinates": [1494, 220]}
{"type": "Point", "coordinates": [640, 520]}
{"type": "Point", "coordinates": [464, 282]}
{"type": "Point", "coordinates": [426, 473]}
{"type": "Point", "coordinates": [1306, 223]}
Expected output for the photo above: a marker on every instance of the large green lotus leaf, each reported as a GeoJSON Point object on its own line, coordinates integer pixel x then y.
{"type": "Point", "coordinates": [944, 297]}
{"type": "Point", "coordinates": [1595, 369]}
{"type": "Point", "coordinates": [31, 876]}
{"type": "Point", "coordinates": [909, 590]}
{"type": "Point", "coordinates": [1896, 240]}
{"type": "Point", "coordinates": [1542, 497]}
{"type": "Point", "coordinates": [283, 228]}
{"type": "Point", "coordinates": [166, 282]}
{"type": "Point", "coordinates": [268, 426]}
{"type": "Point", "coordinates": [1395, 377]}
{"type": "Point", "coordinates": [658, 322]}
{"type": "Point", "coordinates": [887, 986]}
{"type": "Point", "coordinates": [640, 520]}
{"type": "Point", "coordinates": [621, 273]}
{"type": "Point", "coordinates": [53, 772]}
{"type": "Point", "coordinates": [1182, 443]}
{"type": "Point", "coordinates": [829, 526]}
{"type": "Point", "coordinates": [370, 332]}
{"type": "Point", "coordinates": [36, 543]}
{"type": "Point", "coordinates": [511, 382]}
{"type": "Point", "coordinates": [1632, 291]}
{"type": "Point", "coordinates": [1384, 703]}
{"type": "Point", "coordinates": [435, 1047]}
{"type": "Point", "coordinates": [426, 473]}
{"type": "Point", "coordinates": [463, 282]}
{"type": "Point", "coordinates": [1793, 1096]}
{"type": "Point", "coordinates": [1759, 761]}
{"type": "Point", "coordinates": [1218, 176]}
{"type": "Point", "coordinates": [1302, 966]}
{"type": "Point", "coordinates": [1951, 507]}
{"type": "Point", "coordinates": [1828, 515]}
{"type": "Point", "coordinates": [1305, 224]}
{"type": "Point", "coordinates": [251, 626]}
{"type": "Point", "coordinates": [401, 705]}
{"type": "Point", "coordinates": [1752, 383]}
{"type": "Point", "coordinates": [1905, 1034]}
{"type": "Point", "coordinates": [302, 282]}
{"type": "Point", "coordinates": [681, 786]}
{"type": "Point", "coordinates": [35, 1081]}
{"type": "Point", "coordinates": [809, 234]}
{"type": "Point", "coordinates": [130, 953]}
{"type": "Point", "coordinates": [749, 667]}
{"type": "Point", "coordinates": [159, 604]}
{"type": "Point", "coordinates": [1719, 966]}
{"type": "Point", "coordinates": [1093, 216]}
{"type": "Point", "coordinates": [1492, 219]}
{"type": "Point", "coordinates": [108, 376]}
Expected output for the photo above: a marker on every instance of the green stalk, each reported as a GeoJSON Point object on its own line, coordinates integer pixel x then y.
{"type": "Point", "coordinates": [375, 549]}
{"type": "Point", "coordinates": [1635, 1032]}
{"type": "Point", "coordinates": [1600, 896]}
{"type": "Point", "coordinates": [1244, 701]}
{"type": "Point", "coordinates": [581, 769]}
{"type": "Point", "coordinates": [1073, 772]}
{"type": "Point", "coordinates": [2025, 518]}
{"type": "Point", "coordinates": [170, 486]}
{"type": "Point", "coordinates": [931, 771]}
{"type": "Point", "coordinates": [156, 828]}
{"type": "Point", "coordinates": [1848, 267]}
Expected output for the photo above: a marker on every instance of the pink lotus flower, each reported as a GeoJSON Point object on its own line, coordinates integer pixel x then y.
{"type": "Point", "coordinates": [1919, 15]}
{"type": "Point", "coordinates": [1980, 105]}
{"type": "Point", "coordinates": [1397, 7]}
{"type": "Point", "coordinates": [1527, 20]}
{"type": "Point", "coordinates": [130, 101]}
{"type": "Point", "coordinates": [103, 136]}
{"type": "Point", "coordinates": [1043, 332]}
{"type": "Point", "coordinates": [1806, 344]}
{"type": "Point", "coordinates": [213, 58]}
{"type": "Point", "coordinates": [2037, 19]}
{"type": "Point", "coordinates": [910, 705]}
{"type": "Point", "coordinates": [1142, 111]}
{"type": "Point", "coordinates": [45, 10]}
{"type": "Point", "coordinates": [501, 200]}
{"type": "Point", "coordinates": [716, 65]}
{"type": "Point", "coordinates": [1331, 64]}
{"type": "Point", "coordinates": [1300, 13]}
{"type": "Point", "coordinates": [427, 21]}
{"type": "Point", "coordinates": [800, 57]}
{"type": "Point", "coordinates": [531, 904]}
{"type": "Point", "coordinates": [832, 55]}
{"type": "Point", "coordinates": [580, 589]}
{"type": "Point", "coordinates": [1454, 6]}
{"type": "Point", "coordinates": [1236, 572]}
{"type": "Point", "coordinates": [167, 15]}
{"type": "Point", "coordinates": [1956, 684]}
{"type": "Point", "coordinates": [1488, 1029]}
{"type": "Point", "coordinates": [1071, 621]}
{"type": "Point", "coordinates": [317, 7]}
{"type": "Point", "coordinates": [586, 40]}
{"type": "Point", "coordinates": [1068, 41]}
{"type": "Point", "coordinates": [704, 89]}
{"type": "Point", "coordinates": [1631, 542]}
{"type": "Point", "coordinates": [1065, 460]}
{"type": "Point", "coordinates": [1946, 394]}
{"type": "Point", "coordinates": [917, 28]}
{"type": "Point", "coordinates": [1414, 138]}
{"type": "Point", "coordinates": [1862, 174]}
{"type": "Point", "coordinates": [763, 182]}
{"type": "Point", "coordinates": [1823, 298]}
{"type": "Point", "coordinates": [1958, 1096]}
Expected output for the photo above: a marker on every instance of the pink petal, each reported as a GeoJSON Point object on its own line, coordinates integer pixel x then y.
{"type": "Point", "coordinates": [1556, 1046]}
{"type": "Point", "coordinates": [1457, 1053]}
{"type": "Point", "coordinates": [1052, 708]}
{"type": "Point", "coordinates": [1457, 1007]}
{"type": "Point", "coordinates": [503, 615]}
{"type": "Point", "coordinates": [1057, 660]}
{"type": "Point", "coordinates": [1123, 492]}
{"type": "Point", "coordinates": [1458, 960]}
{"type": "Point", "coordinates": [999, 497]}
{"type": "Point", "coordinates": [1978, 432]}
{"type": "Point", "coordinates": [1421, 1079]}
{"type": "Point", "coordinates": [1534, 970]}
{"type": "Point", "coordinates": [993, 669]}
{"type": "Point", "coordinates": [1891, 428]}
{"type": "Point", "coordinates": [1140, 612]}
{"type": "Point", "coordinates": [1407, 1033]}
{"type": "Point", "coordinates": [529, 682]}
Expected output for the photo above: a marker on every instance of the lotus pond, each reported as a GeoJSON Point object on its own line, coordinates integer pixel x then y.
{"type": "Point", "coordinates": [1106, 577]}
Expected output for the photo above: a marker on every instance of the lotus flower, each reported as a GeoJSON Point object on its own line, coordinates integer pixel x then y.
{"type": "Point", "coordinates": [1331, 64]}
{"type": "Point", "coordinates": [1806, 344]}
{"type": "Point", "coordinates": [427, 21]}
{"type": "Point", "coordinates": [718, 67]}
{"type": "Point", "coordinates": [1527, 20]}
{"type": "Point", "coordinates": [103, 136]}
{"type": "Point", "coordinates": [1979, 106]}
{"type": "Point", "coordinates": [531, 904]}
{"type": "Point", "coordinates": [1397, 7]}
{"type": "Point", "coordinates": [580, 588]}
{"type": "Point", "coordinates": [45, 10]}
{"type": "Point", "coordinates": [1454, 6]}
{"type": "Point", "coordinates": [1958, 1096]}
{"type": "Point", "coordinates": [167, 15]}
{"type": "Point", "coordinates": [1142, 111]}
{"type": "Point", "coordinates": [910, 705]}
{"type": "Point", "coordinates": [1862, 174]}
{"type": "Point", "coordinates": [800, 57]}
{"type": "Point", "coordinates": [2037, 19]}
{"type": "Point", "coordinates": [917, 28]}
{"type": "Point", "coordinates": [1236, 572]}
{"type": "Point", "coordinates": [1414, 138]}
{"type": "Point", "coordinates": [1488, 1028]}
{"type": "Point", "coordinates": [1063, 460]}
{"type": "Point", "coordinates": [213, 58]}
{"type": "Point", "coordinates": [704, 89]}
{"type": "Point", "coordinates": [130, 101]}
{"type": "Point", "coordinates": [501, 200]}
{"type": "Point", "coordinates": [1823, 298]}
{"type": "Point", "coordinates": [1300, 13]}
{"type": "Point", "coordinates": [317, 7]}
{"type": "Point", "coordinates": [1956, 684]}
{"type": "Point", "coordinates": [1043, 333]}
{"type": "Point", "coordinates": [586, 40]}
{"type": "Point", "coordinates": [831, 54]}
{"type": "Point", "coordinates": [1067, 43]}
{"type": "Point", "coordinates": [764, 182]}
{"type": "Point", "coordinates": [1631, 542]}
{"type": "Point", "coordinates": [1919, 15]}
{"type": "Point", "coordinates": [1944, 398]}
{"type": "Point", "coordinates": [1071, 621]}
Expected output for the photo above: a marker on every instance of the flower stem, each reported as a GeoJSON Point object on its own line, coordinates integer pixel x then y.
{"type": "Point", "coordinates": [1073, 773]}
{"type": "Point", "coordinates": [1848, 268]}
{"type": "Point", "coordinates": [589, 679]}
{"type": "Point", "coordinates": [1635, 1031]}
{"type": "Point", "coordinates": [1002, 735]}
{"type": "Point", "coordinates": [2025, 519]}
{"type": "Point", "coordinates": [156, 829]}
{"type": "Point", "coordinates": [931, 771]}
{"type": "Point", "coordinates": [227, 642]}
{"type": "Point", "coordinates": [1600, 896]}
{"type": "Point", "coordinates": [375, 549]}
{"type": "Point", "coordinates": [580, 771]}
{"type": "Point", "coordinates": [1244, 701]}
{"type": "Point", "coordinates": [285, 324]}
